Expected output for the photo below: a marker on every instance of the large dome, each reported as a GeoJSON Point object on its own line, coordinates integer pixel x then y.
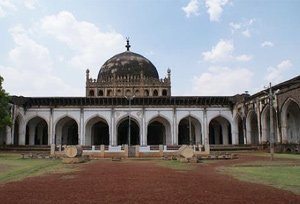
{"type": "Point", "coordinates": [127, 63]}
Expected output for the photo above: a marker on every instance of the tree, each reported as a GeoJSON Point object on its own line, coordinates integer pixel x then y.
{"type": "Point", "coordinates": [5, 118]}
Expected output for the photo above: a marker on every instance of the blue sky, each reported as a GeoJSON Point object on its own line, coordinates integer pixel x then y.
{"type": "Point", "coordinates": [213, 47]}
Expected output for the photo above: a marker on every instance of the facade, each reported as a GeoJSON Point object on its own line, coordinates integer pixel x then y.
{"type": "Point", "coordinates": [129, 103]}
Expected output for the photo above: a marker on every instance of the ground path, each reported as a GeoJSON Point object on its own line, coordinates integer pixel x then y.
{"type": "Point", "coordinates": [108, 181]}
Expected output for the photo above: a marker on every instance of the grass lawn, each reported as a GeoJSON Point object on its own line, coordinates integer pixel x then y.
{"type": "Point", "coordinates": [176, 165]}
{"type": "Point", "coordinates": [276, 155]}
{"type": "Point", "coordinates": [282, 174]}
{"type": "Point", "coordinates": [13, 167]}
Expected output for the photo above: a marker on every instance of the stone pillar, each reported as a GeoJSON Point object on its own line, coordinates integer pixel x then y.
{"type": "Point", "coordinates": [51, 133]}
{"type": "Point", "coordinates": [81, 139]}
{"type": "Point", "coordinates": [39, 134]}
{"type": "Point", "coordinates": [284, 133]}
{"type": "Point", "coordinates": [22, 131]}
{"type": "Point", "coordinates": [144, 128]}
{"type": "Point", "coordinates": [113, 135]}
{"type": "Point", "coordinates": [225, 134]}
{"type": "Point", "coordinates": [258, 122]}
{"type": "Point", "coordinates": [205, 131]}
{"type": "Point", "coordinates": [174, 129]}
{"type": "Point", "coordinates": [31, 134]}
{"type": "Point", "coordinates": [8, 136]}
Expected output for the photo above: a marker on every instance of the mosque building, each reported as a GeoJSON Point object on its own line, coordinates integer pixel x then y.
{"type": "Point", "coordinates": [128, 103]}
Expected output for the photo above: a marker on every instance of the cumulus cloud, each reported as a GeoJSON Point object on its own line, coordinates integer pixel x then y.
{"type": "Point", "coordinates": [223, 51]}
{"type": "Point", "coordinates": [243, 27]}
{"type": "Point", "coordinates": [6, 6]}
{"type": "Point", "coordinates": [267, 44]}
{"type": "Point", "coordinates": [276, 74]}
{"type": "Point", "coordinates": [31, 4]}
{"type": "Point", "coordinates": [30, 70]}
{"type": "Point", "coordinates": [222, 81]}
{"type": "Point", "coordinates": [215, 8]}
{"type": "Point", "coordinates": [90, 45]}
{"type": "Point", "coordinates": [192, 8]}
{"type": "Point", "coordinates": [27, 53]}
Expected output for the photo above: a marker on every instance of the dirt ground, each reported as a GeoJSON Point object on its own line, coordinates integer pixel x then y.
{"type": "Point", "coordinates": [106, 181]}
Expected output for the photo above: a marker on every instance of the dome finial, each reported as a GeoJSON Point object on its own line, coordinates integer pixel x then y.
{"type": "Point", "coordinates": [128, 45]}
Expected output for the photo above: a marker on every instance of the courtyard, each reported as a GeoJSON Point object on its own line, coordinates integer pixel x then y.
{"type": "Point", "coordinates": [153, 181]}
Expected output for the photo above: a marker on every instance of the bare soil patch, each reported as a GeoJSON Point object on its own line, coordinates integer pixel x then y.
{"type": "Point", "coordinates": [106, 181]}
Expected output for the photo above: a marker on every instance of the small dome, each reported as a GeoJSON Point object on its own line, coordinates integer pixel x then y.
{"type": "Point", "coordinates": [127, 63]}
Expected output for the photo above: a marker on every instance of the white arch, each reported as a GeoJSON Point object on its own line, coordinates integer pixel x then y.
{"type": "Point", "coordinates": [252, 136]}
{"type": "Point", "coordinates": [265, 124]}
{"type": "Point", "coordinates": [97, 115]}
{"type": "Point", "coordinates": [235, 129]}
{"type": "Point", "coordinates": [32, 125]}
{"type": "Point", "coordinates": [88, 127]}
{"type": "Point", "coordinates": [64, 116]}
{"type": "Point", "coordinates": [132, 117]}
{"type": "Point", "coordinates": [225, 130]}
{"type": "Point", "coordinates": [21, 131]}
{"type": "Point", "coordinates": [58, 129]}
{"type": "Point", "coordinates": [191, 115]}
{"type": "Point", "coordinates": [290, 129]}
{"type": "Point", "coordinates": [197, 125]}
{"type": "Point", "coordinates": [37, 115]}
{"type": "Point", "coordinates": [166, 123]}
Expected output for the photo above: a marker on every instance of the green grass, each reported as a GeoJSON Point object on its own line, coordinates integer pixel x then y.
{"type": "Point", "coordinates": [176, 165]}
{"type": "Point", "coordinates": [14, 168]}
{"type": "Point", "coordinates": [276, 155]}
{"type": "Point", "coordinates": [279, 175]}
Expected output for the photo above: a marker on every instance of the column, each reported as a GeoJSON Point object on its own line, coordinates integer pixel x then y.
{"type": "Point", "coordinates": [8, 136]}
{"type": "Point", "coordinates": [144, 134]}
{"type": "Point", "coordinates": [174, 128]}
{"type": "Point", "coordinates": [82, 128]}
{"type": "Point", "coordinates": [51, 133]}
{"type": "Point", "coordinates": [31, 134]}
{"type": "Point", "coordinates": [205, 129]}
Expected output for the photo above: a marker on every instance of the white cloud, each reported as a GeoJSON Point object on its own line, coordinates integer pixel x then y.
{"type": "Point", "coordinates": [235, 26]}
{"type": "Point", "coordinates": [6, 6]}
{"type": "Point", "coordinates": [244, 58]}
{"type": "Point", "coordinates": [30, 70]}
{"type": "Point", "coordinates": [28, 53]}
{"type": "Point", "coordinates": [246, 33]}
{"type": "Point", "coordinates": [223, 51]}
{"type": "Point", "coordinates": [192, 8]}
{"type": "Point", "coordinates": [243, 27]}
{"type": "Point", "coordinates": [267, 44]}
{"type": "Point", "coordinates": [31, 4]}
{"type": "Point", "coordinates": [222, 81]}
{"type": "Point", "coordinates": [215, 8]}
{"type": "Point", "coordinates": [90, 45]}
{"type": "Point", "coordinates": [276, 74]}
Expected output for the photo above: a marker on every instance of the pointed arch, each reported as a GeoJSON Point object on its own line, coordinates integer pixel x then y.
{"type": "Point", "coordinates": [189, 130]}
{"type": "Point", "coordinates": [66, 131]}
{"type": "Point", "coordinates": [96, 131]}
{"type": "Point", "coordinates": [123, 131]}
{"type": "Point", "coordinates": [239, 129]}
{"type": "Point", "coordinates": [265, 124]}
{"type": "Point", "coordinates": [18, 133]}
{"type": "Point", "coordinates": [252, 128]}
{"type": "Point", "coordinates": [37, 131]}
{"type": "Point", "coordinates": [159, 131]}
{"type": "Point", "coordinates": [220, 131]}
{"type": "Point", "coordinates": [290, 121]}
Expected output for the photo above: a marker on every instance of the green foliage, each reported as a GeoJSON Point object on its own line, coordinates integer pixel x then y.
{"type": "Point", "coordinates": [5, 119]}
